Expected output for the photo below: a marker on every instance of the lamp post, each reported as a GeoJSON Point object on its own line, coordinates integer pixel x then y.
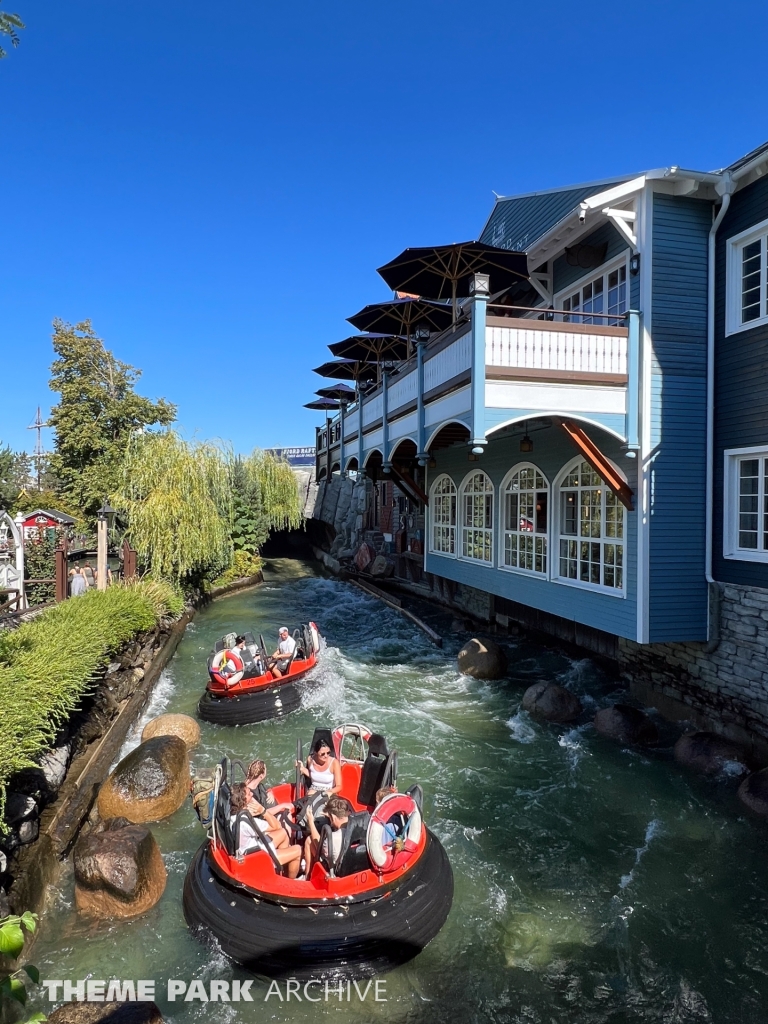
{"type": "Point", "coordinates": [105, 517]}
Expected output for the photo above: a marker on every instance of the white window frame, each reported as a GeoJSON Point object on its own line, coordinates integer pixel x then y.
{"type": "Point", "coordinates": [463, 528]}
{"type": "Point", "coordinates": [434, 525]}
{"type": "Point", "coordinates": [502, 516]}
{"type": "Point", "coordinates": [589, 278]}
{"type": "Point", "coordinates": [732, 457]}
{"type": "Point", "coordinates": [735, 245]}
{"type": "Point", "coordinates": [557, 535]}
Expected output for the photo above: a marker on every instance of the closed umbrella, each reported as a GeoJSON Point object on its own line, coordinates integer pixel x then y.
{"type": "Point", "coordinates": [444, 271]}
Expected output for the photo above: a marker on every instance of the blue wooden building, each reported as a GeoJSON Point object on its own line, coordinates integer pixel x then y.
{"type": "Point", "coordinates": [571, 438]}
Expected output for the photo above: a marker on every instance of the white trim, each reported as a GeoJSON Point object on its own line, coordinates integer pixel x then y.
{"type": "Point", "coordinates": [645, 455]}
{"type": "Point", "coordinates": [733, 282]}
{"type": "Point", "coordinates": [460, 527]}
{"type": "Point", "coordinates": [502, 511]}
{"type": "Point", "coordinates": [731, 550]}
{"type": "Point", "coordinates": [431, 521]}
{"type": "Point", "coordinates": [555, 534]}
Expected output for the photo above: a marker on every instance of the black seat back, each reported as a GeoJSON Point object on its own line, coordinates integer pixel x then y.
{"type": "Point", "coordinates": [374, 769]}
{"type": "Point", "coordinates": [353, 856]}
{"type": "Point", "coordinates": [322, 735]}
{"type": "Point", "coordinates": [223, 812]}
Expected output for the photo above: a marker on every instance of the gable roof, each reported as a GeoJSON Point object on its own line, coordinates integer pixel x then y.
{"type": "Point", "coordinates": [60, 517]}
{"type": "Point", "coordinates": [516, 222]}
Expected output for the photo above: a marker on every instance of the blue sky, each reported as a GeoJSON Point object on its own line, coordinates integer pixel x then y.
{"type": "Point", "coordinates": [215, 184]}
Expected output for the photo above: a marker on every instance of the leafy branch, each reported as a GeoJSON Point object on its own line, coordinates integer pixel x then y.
{"type": "Point", "coordinates": [13, 986]}
{"type": "Point", "coordinates": [8, 25]}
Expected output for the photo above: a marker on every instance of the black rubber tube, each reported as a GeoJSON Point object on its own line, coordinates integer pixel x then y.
{"type": "Point", "coordinates": [273, 702]}
{"type": "Point", "coordinates": [359, 940]}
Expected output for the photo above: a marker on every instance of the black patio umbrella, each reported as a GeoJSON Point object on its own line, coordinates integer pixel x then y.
{"type": "Point", "coordinates": [323, 405]}
{"type": "Point", "coordinates": [445, 271]}
{"type": "Point", "coordinates": [403, 316]}
{"type": "Point", "coordinates": [387, 348]}
{"type": "Point", "coordinates": [347, 369]}
{"type": "Point", "coordinates": [339, 393]}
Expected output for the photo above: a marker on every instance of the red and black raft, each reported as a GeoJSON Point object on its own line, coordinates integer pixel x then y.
{"type": "Point", "coordinates": [242, 690]}
{"type": "Point", "coordinates": [376, 905]}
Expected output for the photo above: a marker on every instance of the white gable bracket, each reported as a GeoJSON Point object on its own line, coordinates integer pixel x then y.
{"type": "Point", "coordinates": [622, 219]}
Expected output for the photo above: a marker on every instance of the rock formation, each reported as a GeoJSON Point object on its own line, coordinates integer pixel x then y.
{"type": "Point", "coordinates": [482, 659]}
{"type": "Point", "coordinates": [552, 702]}
{"type": "Point", "coordinates": [627, 725]}
{"type": "Point", "coordinates": [707, 752]}
{"type": "Point", "coordinates": [118, 870]}
{"type": "Point", "coordinates": [149, 783]}
{"type": "Point", "coordinates": [183, 726]}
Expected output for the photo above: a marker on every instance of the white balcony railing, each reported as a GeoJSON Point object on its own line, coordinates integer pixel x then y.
{"type": "Point", "coordinates": [579, 349]}
{"type": "Point", "coordinates": [402, 390]}
{"type": "Point", "coordinates": [448, 363]}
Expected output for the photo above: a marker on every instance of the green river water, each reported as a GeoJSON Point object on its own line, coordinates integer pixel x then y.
{"type": "Point", "coordinates": [593, 883]}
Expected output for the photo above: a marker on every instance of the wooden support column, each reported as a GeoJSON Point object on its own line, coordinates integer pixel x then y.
{"type": "Point", "coordinates": [601, 465]}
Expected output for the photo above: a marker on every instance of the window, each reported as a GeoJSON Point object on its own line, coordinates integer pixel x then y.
{"type": "Point", "coordinates": [606, 292]}
{"type": "Point", "coordinates": [747, 270]}
{"type": "Point", "coordinates": [477, 518]}
{"type": "Point", "coordinates": [591, 530]}
{"type": "Point", "coordinates": [525, 497]}
{"type": "Point", "coordinates": [443, 505]}
{"type": "Point", "coordinates": [745, 527]}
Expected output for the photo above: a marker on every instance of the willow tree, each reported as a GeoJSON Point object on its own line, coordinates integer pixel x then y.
{"type": "Point", "coordinates": [176, 498]}
{"type": "Point", "coordinates": [277, 488]}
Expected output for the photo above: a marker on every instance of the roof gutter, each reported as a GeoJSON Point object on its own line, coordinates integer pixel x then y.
{"type": "Point", "coordinates": [726, 187]}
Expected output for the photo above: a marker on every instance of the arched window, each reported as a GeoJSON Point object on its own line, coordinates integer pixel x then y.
{"type": "Point", "coordinates": [592, 530]}
{"type": "Point", "coordinates": [525, 497]}
{"type": "Point", "coordinates": [443, 509]}
{"type": "Point", "coordinates": [477, 518]}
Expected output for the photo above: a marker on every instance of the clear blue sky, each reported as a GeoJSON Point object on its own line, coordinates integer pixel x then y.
{"type": "Point", "coordinates": [214, 184]}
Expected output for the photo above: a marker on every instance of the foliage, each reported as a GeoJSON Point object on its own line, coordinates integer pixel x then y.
{"type": "Point", "coordinates": [40, 564]}
{"type": "Point", "coordinates": [28, 501]}
{"type": "Point", "coordinates": [250, 523]}
{"type": "Point", "coordinates": [97, 414]}
{"type": "Point", "coordinates": [176, 497]}
{"type": "Point", "coordinates": [244, 564]}
{"type": "Point", "coordinates": [49, 664]}
{"type": "Point", "coordinates": [8, 25]}
{"type": "Point", "coordinates": [13, 986]}
{"type": "Point", "coordinates": [14, 475]}
{"type": "Point", "coordinates": [277, 488]}
{"type": "Point", "coordinates": [162, 594]}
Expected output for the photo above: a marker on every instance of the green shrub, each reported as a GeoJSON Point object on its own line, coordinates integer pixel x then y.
{"type": "Point", "coordinates": [48, 665]}
{"type": "Point", "coordinates": [243, 564]}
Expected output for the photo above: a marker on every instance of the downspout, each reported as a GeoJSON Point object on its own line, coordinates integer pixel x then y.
{"type": "Point", "coordinates": [725, 188]}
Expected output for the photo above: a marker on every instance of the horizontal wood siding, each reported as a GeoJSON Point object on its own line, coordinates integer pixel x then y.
{"type": "Point", "coordinates": [678, 592]}
{"type": "Point", "coordinates": [552, 450]}
{"type": "Point", "coordinates": [741, 382]}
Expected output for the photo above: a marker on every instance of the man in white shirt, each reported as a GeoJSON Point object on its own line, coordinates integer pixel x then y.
{"type": "Point", "coordinates": [286, 649]}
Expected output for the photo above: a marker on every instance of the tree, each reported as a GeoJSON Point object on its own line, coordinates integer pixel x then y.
{"type": "Point", "coordinates": [97, 414]}
{"type": "Point", "coordinates": [14, 475]}
{"type": "Point", "coordinates": [176, 498]}
{"type": "Point", "coordinates": [8, 25]}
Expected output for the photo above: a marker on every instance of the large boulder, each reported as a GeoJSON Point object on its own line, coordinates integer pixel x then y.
{"type": "Point", "coordinates": [108, 1013]}
{"type": "Point", "coordinates": [381, 566]}
{"type": "Point", "coordinates": [553, 702]}
{"type": "Point", "coordinates": [183, 726]}
{"type": "Point", "coordinates": [118, 870]}
{"type": "Point", "coordinates": [482, 659]}
{"type": "Point", "coordinates": [627, 725]}
{"type": "Point", "coordinates": [149, 783]}
{"type": "Point", "coordinates": [707, 752]}
{"type": "Point", "coordinates": [754, 792]}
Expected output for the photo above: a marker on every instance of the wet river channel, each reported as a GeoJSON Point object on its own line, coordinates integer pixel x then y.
{"type": "Point", "coordinates": [593, 883]}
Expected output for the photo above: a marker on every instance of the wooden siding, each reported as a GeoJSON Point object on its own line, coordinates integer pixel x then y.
{"type": "Point", "coordinates": [678, 591]}
{"type": "Point", "coordinates": [552, 450]}
{"type": "Point", "coordinates": [741, 382]}
{"type": "Point", "coordinates": [565, 275]}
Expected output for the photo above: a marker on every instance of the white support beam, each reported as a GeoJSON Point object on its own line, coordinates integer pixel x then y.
{"type": "Point", "coordinates": [543, 285]}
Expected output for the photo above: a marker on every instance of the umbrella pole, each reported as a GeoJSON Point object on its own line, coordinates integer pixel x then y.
{"type": "Point", "coordinates": [453, 300]}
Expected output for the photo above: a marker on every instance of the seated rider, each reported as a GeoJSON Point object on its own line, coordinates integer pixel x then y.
{"type": "Point", "coordinates": [286, 648]}
{"type": "Point", "coordinates": [396, 825]}
{"type": "Point", "coordinates": [268, 830]}
{"type": "Point", "coordinates": [338, 811]}
{"type": "Point", "coordinates": [322, 769]}
{"type": "Point", "coordinates": [254, 780]}
{"type": "Point", "coordinates": [250, 668]}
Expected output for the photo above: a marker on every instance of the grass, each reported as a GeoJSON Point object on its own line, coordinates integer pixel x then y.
{"type": "Point", "coordinates": [49, 665]}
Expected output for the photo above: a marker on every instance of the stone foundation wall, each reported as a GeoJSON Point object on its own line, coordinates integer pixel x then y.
{"type": "Point", "coordinates": [720, 685]}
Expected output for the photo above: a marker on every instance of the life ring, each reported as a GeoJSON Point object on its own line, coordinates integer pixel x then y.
{"type": "Point", "coordinates": [355, 730]}
{"type": "Point", "coordinates": [314, 633]}
{"type": "Point", "coordinates": [388, 853]}
{"type": "Point", "coordinates": [222, 665]}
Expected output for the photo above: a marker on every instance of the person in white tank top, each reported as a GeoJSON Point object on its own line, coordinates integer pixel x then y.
{"type": "Point", "coordinates": [322, 769]}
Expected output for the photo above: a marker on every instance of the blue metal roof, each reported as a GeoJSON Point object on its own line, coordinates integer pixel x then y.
{"type": "Point", "coordinates": [516, 222]}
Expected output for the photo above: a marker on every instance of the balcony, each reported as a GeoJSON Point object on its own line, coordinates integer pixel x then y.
{"type": "Point", "coordinates": [494, 368]}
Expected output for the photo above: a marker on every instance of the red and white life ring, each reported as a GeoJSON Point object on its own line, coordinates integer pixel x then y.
{"type": "Point", "coordinates": [390, 852]}
{"type": "Point", "coordinates": [227, 667]}
{"type": "Point", "coordinates": [315, 634]}
{"type": "Point", "coordinates": [342, 731]}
